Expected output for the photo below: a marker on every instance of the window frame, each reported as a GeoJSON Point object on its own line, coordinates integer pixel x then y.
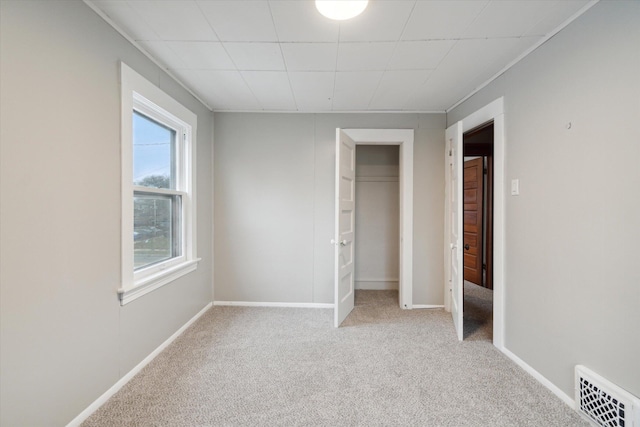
{"type": "Point", "coordinates": [139, 94]}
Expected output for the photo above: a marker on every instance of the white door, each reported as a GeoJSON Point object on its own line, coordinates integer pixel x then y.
{"type": "Point", "coordinates": [454, 144]}
{"type": "Point", "coordinates": [344, 226]}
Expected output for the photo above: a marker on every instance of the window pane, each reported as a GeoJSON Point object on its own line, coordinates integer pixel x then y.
{"type": "Point", "coordinates": [153, 153]}
{"type": "Point", "coordinates": [155, 222]}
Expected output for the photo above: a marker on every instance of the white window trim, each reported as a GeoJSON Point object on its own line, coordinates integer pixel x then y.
{"type": "Point", "coordinates": [140, 94]}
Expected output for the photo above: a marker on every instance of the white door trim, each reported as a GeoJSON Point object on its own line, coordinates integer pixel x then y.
{"type": "Point", "coordinates": [403, 138]}
{"type": "Point", "coordinates": [493, 111]}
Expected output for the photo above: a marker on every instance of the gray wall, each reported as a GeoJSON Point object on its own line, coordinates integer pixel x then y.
{"type": "Point", "coordinates": [572, 278]}
{"type": "Point", "coordinates": [274, 204]}
{"type": "Point", "coordinates": [65, 338]}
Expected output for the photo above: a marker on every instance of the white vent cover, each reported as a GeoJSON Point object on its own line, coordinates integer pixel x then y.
{"type": "Point", "coordinates": [604, 402]}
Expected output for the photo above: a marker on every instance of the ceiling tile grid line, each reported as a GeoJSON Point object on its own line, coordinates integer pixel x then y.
{"type": "Point", "coordinates": [335, 73]}
{"type": "Point", "coordinates": [359, 42]}
{"type": "Point", "coordinates": [451, 47]}
{"type": "Point", "coordinates": [395, 47]}
{"type": "Point", "coordinates": [398, 55]}
{"type": "Point", "coordinates": [417, 93]}
{"type": "Point", "coordinates": [240, 21]}
{"type": "Point", "coordinates": [293, 94]}
{"type": "Point", "coordinates": [227, 51]}
{"type": "Point", "coordinates": [162, 16]}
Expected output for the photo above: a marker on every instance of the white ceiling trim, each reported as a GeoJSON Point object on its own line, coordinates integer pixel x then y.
{"type": "Point", "coordinates": [336, 112]}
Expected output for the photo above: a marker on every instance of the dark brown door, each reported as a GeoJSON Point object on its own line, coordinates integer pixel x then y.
{"type": "Point", "coordinates": [472, 223]}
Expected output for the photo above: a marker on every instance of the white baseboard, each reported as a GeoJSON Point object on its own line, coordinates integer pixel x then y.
{"type": "Point", "coordinates": [126, 378]}
{"type": "Point", "coordinates": [427, 306]}
{"type": "Point", "coordinates": [377, 285]}
{"type": "Point", "coordinates": [538, 376]}
{"type": "Point", "coordinates": [273, 304]}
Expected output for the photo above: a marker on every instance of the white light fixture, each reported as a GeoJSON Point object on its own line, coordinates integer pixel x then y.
{"type": "Point", "coordinates": [341, 9]}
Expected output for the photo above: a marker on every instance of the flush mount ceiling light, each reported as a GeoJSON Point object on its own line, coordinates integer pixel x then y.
{"type": "Point", "coordinates": [341, 9]}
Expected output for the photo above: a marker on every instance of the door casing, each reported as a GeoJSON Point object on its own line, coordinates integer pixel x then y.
{"type": "Point", "coordinates": [404, 138]}
{"type": "Point", "coordinates": [492, 111]}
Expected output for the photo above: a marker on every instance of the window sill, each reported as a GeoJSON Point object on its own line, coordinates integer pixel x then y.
{"type": "Point", "coordinates": [156, 281]}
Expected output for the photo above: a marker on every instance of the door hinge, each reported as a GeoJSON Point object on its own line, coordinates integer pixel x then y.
{"type": "Point", "coordinates": [450, 154]}
{"type": "Point", "coordinates": [485, 171]}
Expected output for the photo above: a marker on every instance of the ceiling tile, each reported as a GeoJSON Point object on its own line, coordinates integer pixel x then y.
{"type": "Point", "coordinates": [174, 20]}
{"type": "Point", "coordinates": [201, 55]}
{"type": "Point", "coordinates": [396, 87]}
{"type": "Point", "coordinates": [256, 56]}
{"type": "Point", "coordinates": [310, 56]}
{"type": "Point", "coordinates": [436, 94]}
{"type": "Point", "coordinates": [443, 87]}
{"type": "Point", "coordinates": [242, 21]}
{"type": "Point", "coordinates": [502, 18]}
{"type": "Point", "coordinates": [222, 90]}
{"type": "Point", "coordinates": [479, 52]}
{"type": "Point", "coordinates": [162, 52]}
{"type": "Point", "coordinates": [353, 90]}
{"type": "Point", "coordinates": [558, 14]}
{"type": "Point", "coordinates": [419, 55]}
{"type": "Point", "coordinates": [454, 78]}
{"type": "Point", "coordinates": [488, 57]}
{"type": "Point", "coordinates": [364, 56]}
{"type": "Point", "coordinates": [299, 21]}
{"type": "Point", "coordinates": [381, 21]}
{"type": "Point", "coordinates": [509, 52]}
{"type": "Point", "coordinates": [455, 45]}
{"type": "Point", "coordinates": [313, 90]}
{"type": "Point", "coordinates": [444, 19]}
{"type": "Point", "coordinates": [271, 88]}
{"type": "Point", "coordinates": [127, 19]}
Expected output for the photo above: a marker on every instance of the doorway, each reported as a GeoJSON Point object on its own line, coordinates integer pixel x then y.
{"type": "Point", "coordinates": [344, 284]}
{"type": "Point", "coordinates": [478, 205]}
{"type": "Point", "coordinates": [478, 232]}
{"type": "Point", "coordinates": [377, 229]}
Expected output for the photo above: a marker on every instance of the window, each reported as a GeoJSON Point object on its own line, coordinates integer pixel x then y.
{"type": "Point", "coordinates": [158, 201]}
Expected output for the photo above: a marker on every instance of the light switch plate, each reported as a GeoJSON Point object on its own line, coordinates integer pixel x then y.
{"type": "Point", "coordinates": [515, 187]}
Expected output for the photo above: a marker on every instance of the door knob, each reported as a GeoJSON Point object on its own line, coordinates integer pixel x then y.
{"type": "Point", "coordinates": [466, 247]}
{"type": "Point", "coordinates": [343, 243]}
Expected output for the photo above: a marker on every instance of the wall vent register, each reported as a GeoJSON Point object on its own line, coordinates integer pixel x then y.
{"type": "Point", "coordinates": [603, 402]}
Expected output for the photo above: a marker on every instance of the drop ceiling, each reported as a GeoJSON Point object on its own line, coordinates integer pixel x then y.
{"type": "Point", "coordinates": [282, 55]}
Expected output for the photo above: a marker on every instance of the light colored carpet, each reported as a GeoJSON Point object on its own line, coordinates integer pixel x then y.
{"type": "Point", "coordinates": [239, 366]}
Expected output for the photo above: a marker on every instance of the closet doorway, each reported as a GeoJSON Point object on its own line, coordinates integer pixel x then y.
{"type": "Point", "coordinates": [377, 214]}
